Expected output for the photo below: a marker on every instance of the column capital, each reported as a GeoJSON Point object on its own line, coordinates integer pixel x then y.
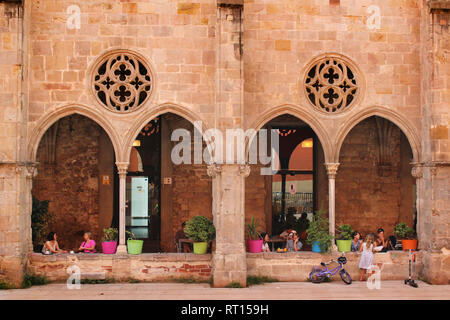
{"type": "Point", "coordinates": [332, 169]}
{"type": "Point", "coordinates": [29, 169]}
{"type": "Point", "coordinates": [244, 170]}
{"type": "Point", "coordinates": [214, 170]}
{"type": "Point", "coordinates": [122, 167]}
{"type": "Point", "coordinates": [417, 170]}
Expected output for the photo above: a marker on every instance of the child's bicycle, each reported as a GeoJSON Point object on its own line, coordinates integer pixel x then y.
{"type": "Point", "coordinates": [319, 275]}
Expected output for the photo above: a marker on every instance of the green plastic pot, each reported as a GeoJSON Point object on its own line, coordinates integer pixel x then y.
{"type": "Point", "coordinates": [134, 246]}
{"type": "Point", "coordinates": [344, 245]}
{"type": "Point", "coordinates": [200, 247]}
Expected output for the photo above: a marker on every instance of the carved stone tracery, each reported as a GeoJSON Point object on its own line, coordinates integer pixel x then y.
{"type": "Point", "coordinates": [331, 85]}
{"type": "Point", "coordinates": [122, 81]}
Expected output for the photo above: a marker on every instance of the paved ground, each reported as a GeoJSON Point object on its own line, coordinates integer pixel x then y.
{"type": "Point", "coordinates": [271, 291]}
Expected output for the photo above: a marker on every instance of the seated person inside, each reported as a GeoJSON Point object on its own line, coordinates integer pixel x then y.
{"type": "Point", "coordinates": [88, 245]}
{"type": "Point", "coordinates": [383, 243]}
{"type": "Point", "coordinates": [181, 235]}
{"type": "Point", "coordinates": [266, 238]}
{"type": "Point", "coordinates": [293, 243]}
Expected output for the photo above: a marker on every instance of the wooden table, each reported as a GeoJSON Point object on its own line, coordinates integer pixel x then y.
{"type": "Point", "coordinates": [276, 239]}
{"type": "Point", "coordinates": [180, 244]}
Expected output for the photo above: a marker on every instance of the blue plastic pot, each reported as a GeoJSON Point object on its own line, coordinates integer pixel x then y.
{"type": "Point", "coordinates": [316, 247]}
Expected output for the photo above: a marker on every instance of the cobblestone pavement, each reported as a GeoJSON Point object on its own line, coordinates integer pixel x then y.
{"type": "Point", "coordinates": [270, 291]}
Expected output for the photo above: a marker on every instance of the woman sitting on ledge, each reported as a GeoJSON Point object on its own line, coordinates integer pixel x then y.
{"type": "Point", "coordinates": [88, 245]}
{"type": "Point", "coordinates": [51, 245]}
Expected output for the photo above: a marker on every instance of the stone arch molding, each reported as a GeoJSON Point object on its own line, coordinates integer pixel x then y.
{"type": "Point", "coordinates": [151, 114]}
{"type": "Point", "coordinates": [303, 114]}
{"type": "Point", "coordinates": [399, 120]}
{"type": "Point", "coordinates": [52, 117]}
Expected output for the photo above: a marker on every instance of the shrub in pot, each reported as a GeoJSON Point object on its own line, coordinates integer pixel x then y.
{"type": "Point", "coordinates": [109, 240]}
{"type": "Point", "coordinates": [344, 241]}
{"type": "Point", "coordinates": [407, 235]}
{"type": "Point", "coordinates": [134, 246]}
{"type": "Point", "coordinates": [200, 230]}
{"type": "Point", "coordinates": [318, 235]}
{"type": "Point", "coordinates": [255, 242]}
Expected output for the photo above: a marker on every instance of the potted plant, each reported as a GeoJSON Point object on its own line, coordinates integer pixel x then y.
{"type": "Point", "coordinates": [344, 241]}
{"type": "Point", "coordinates": [255, 242]}
{"type": "Point", "coordinates": [407, 235]}
{"type": "Point", "coordinates": [318, 235]}
{"type": "Point", "coordinates": [134, 246]}
{"type": "Point", "coordinates": [109, 240]}
{"type": "Point", "coordinates": [200, 230]}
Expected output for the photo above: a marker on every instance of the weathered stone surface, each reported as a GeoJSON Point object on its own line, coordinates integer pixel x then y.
{"type": "Point", "coordinates": [145, 267]}
{"type": "Point", "coordinates": [228, 79]}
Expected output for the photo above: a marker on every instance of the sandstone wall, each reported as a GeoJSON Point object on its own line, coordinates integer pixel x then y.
{"type": "Point", "coordinates": [144, 267]}
{"type": "Point", "coordinates": [156, 267]}
{"type": "Point", "coordinates": [61, 57]}
{"type": "Point", "coordinates": [297, 266]}
{"type": "Point", "coordinates": [282, 36]}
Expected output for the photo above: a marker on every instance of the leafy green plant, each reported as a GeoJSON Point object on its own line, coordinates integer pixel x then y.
{"type": "Point", "coordinates": [255, 280]}
{"type": "Point", "coordinates": [252, 229]}
{"type": "Point", "coordinates": [5, 285]}
{"type": "Point", "coordinates": [110, 234]}
{"type": "Point", "coordinates": [403, 231]}
{"type": "Point", "coordinates": [345, 232]}
{"type": "Point", "coordinates": [41, 218]}
{"type": "Point", "coordinates": [234, 285]}
{"type": "Point", "coordinates": [130, 235]}
{"type": "Point", "coordinates": [200, 229]}
{"type": "Point", "coordinates": [30, 280]}
{"type": "Point", "coordinates": [97, 281]}
{"type": "Point", "coordinates": [318, 231]}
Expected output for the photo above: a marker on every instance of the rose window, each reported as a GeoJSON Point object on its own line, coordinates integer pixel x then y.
{"type": "Point", "coordinates": [122, 82]}
{"type": "Point", "coordinates": [331, 85]}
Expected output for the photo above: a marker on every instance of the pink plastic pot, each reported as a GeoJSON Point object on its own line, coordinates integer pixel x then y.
{"type": "Point", "coordinates": [109, 247]}
{"type": "Point", "coordinates": [255, 246]}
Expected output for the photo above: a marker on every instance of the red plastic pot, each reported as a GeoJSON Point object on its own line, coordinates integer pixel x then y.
{"type": "Point", "coordinates": [109, 247]}
{"type": "Point", "coordinates": [409, 244]}
{"type": "Point", "coordinates": [255, 246]}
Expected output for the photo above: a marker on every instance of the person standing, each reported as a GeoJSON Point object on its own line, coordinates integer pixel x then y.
{"type": "Point", "coordinates": [366, 260]}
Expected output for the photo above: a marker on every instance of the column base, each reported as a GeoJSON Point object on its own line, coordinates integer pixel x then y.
{"type": "Point", "coordinates": [121, 249]}
{"type": "Point", "coordinates": [334, 249]}
{"type": "Point", "coordinates": [228, 269]}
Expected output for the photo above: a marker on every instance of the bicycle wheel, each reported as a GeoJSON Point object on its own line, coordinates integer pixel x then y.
{"type": "Point", "coordinates": [345, 276]}
{"type": "Point", "coordinates": [316, 277]}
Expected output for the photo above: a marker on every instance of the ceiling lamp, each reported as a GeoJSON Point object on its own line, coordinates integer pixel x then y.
{"type": "Point", "coordinates": [307, 143]}
{"type": "Point", "coordinates": [137, 143]}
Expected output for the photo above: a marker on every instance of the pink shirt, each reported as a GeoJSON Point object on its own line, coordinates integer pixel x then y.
{"type": "Point", "coordinates": [90, 244]}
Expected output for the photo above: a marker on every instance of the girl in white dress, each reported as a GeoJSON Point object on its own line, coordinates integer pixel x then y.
{"type": "Point", "coordinates": [367, 255]}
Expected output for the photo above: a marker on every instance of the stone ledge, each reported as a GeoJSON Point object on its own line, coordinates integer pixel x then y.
{"type": "Point", "coordinates": [324, 256]}
{"type": "Point", "coordinates": [439, 5]}
{"type": "Point", "coordinates": [163, 257]}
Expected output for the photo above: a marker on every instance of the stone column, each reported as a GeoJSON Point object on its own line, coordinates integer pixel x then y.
{"type": "Point", "coordinates": [122, 168]}
{"type": "Point", "coordinates": [331, 171]}
{"type": "Point", "coordinates": [229, 259]}
{"type": "Point", "coordinates": [417, 173]}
